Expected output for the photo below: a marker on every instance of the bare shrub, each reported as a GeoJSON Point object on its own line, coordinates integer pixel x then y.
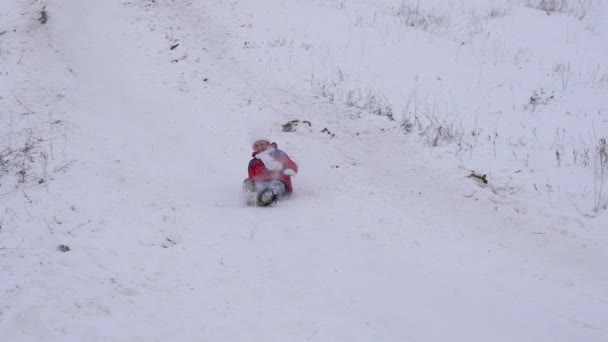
{"type": "Point", "coordinates": [358, 101]}
{"type": "Point", "coordinates": [594, 78]}
{"type": "Point", "coordinates": [581, 156]}
{"type": "Point", "coordinates": [437, 132]}
{"type": "Point", "coordinates": [576, 8]}
{"type": "Point", "coordinates": [63, 248]}
{"type": "Point", "coordinates": [370, 21]}
{"type": "Point", "coordinates": [369, 101]}
{"type": "Point", "coordinates": [565, 73]}
{"type": "Point", "coordinates": [412, 15]}
{"type": "Point", "coordinates": [407, 125]}
{"type": "Point", "coordinates": [496, 12]}
{"type": "Point", "coordinates": [23, 162]}
{"type": "Point", "coordinates": [423, 116]}
{"type": "Point", "coordinates": [338, 4]}
{"type": "Point", "coordinates": [44, 16]}
{"type": "Point", "coordinates": [538, 98]}
{"type": "Point", "coordinates": [600, 173]}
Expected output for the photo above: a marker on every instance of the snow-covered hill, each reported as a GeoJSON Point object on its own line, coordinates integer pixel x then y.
{"type": "Point", "coordinates": [123, 144]}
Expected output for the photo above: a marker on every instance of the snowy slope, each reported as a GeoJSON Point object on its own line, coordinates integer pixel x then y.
{"type": "Point", "coordinates": [137, 114]}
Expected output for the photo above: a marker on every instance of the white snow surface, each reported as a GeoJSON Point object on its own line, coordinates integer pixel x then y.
{"type": "Point", "coordinates": [124, 137]}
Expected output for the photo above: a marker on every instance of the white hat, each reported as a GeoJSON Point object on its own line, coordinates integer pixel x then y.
{"type": "Point", "coordinates": [257, 135]}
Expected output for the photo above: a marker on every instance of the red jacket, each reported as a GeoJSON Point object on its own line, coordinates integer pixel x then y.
{"type": "Point", "coordinates": [259, 173]}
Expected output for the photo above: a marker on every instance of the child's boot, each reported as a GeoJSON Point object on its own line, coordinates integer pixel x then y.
{"type": "Point", "coordinates": [267, 198]}
{"type": "Point", "coordinates": [248, 184]}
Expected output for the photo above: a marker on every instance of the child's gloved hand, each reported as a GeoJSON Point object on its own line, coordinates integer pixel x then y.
{"type": "Point", "coordinates": [289, 172]}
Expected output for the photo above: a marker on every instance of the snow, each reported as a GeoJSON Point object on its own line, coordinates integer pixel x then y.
{"type": "Point", "coordinates": [128, 123]}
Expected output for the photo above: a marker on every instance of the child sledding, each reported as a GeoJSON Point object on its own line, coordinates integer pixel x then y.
{"type": "Point", "coordinates": [270, 173]}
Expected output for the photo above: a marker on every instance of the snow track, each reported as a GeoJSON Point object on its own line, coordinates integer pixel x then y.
{"type": "Point", "coordinates": [379, 243]}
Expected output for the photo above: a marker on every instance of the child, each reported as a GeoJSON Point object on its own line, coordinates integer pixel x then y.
{"type": "Point", "coordinates": [270, 173]}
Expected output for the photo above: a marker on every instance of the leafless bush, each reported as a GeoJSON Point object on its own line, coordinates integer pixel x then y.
{"type": "Point", "coordinates": [63, 248]}
{"type": "Point", "coordinates": [149, 3]}
{"type": "Point", "coordinates": [538, 98]}
{"type": "Point", "coordinates": [581, 156]}
{"type": "Point", "coordinates": [548, 5]}
{"type": "Point", "coordinates": [357, 101]}
{"type": "Point", "coordinates": [369, 21]}
{"type": "Point", "coordinates": [412, 15]}
{"type": "Point", "coordinates": [44, 16]}
{"type": "Point", "coordinates": [407, 124]}
{"type": "Point", "coordinates": [600, 173]}
{"type": "Point", "coordinates": [565, 73]}
{"type": "Point", "coordinates": [422, 116]}
{"type": "Point", "coordinates": [576, 8]}
{"type": "Point", "coordinates": [437, 132]}
{"type": "Point", "coordinates": [369, 101]}
{"type": "Point", "coordinates": [594, 78]}
{"type": "Point", "coordinates": [23, 163]}
{"type": "Point", "coordinates": [326, 91]}
{"type": "Point", "coordinates": [281, 42]}
{"type": "Point", "coordinates": [496, 12]}
{"type": "Point", "coordinates": [559, 145]}
{"type": "Point", "coordinates": [338, 4]}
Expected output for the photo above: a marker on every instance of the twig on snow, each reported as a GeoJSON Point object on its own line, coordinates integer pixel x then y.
{"type": "Point", "coordinates": [29, 111]}
{"type": "Point", "coordinates": [79, 226]}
